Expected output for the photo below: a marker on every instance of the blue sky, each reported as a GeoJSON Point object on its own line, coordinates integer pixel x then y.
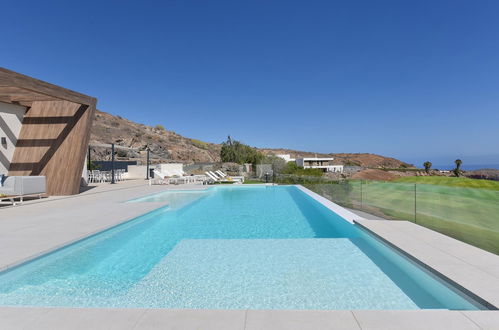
{"type": "Point", "coordinates": [416, 80]}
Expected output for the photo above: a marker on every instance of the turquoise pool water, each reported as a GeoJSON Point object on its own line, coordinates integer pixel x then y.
{"type": "Point", "coordinates": [230, 248]}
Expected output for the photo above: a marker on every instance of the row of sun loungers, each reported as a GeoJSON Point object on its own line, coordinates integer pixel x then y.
{"type": "Point", "coordinates": [219, 176]}
{"type": "Point", "coordinates": [175, 177]}
{"type": "Point", "coordinates": [169, 177]}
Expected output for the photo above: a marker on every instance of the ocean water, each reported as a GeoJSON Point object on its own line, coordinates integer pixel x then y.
{"type": "Point", "coordinates": [230, 248]}
{"type": "Point", "coordinates": [467, 167]}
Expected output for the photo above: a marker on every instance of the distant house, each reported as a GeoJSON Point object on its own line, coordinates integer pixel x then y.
{"type": "Point", "coordinates": [325, 164]}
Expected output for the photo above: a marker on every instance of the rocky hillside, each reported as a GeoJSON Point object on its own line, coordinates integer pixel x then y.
{"type": "Point", "coordinates": [171, 147]}
{"type": "Point", "coordinates": [164, 145]}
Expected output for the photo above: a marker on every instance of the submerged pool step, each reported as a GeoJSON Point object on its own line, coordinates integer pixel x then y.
{"type": "Point", "coordinates": [269, 274]}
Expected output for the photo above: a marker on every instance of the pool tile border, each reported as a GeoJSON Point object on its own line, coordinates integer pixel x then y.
{"type": "Point", "coordinates": [341, 211]}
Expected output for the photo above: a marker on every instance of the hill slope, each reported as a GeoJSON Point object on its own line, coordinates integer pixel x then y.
{"type": "Point", "coordinates": [164, 144]}
{"type": "Point", "coordinates": [169, 146]}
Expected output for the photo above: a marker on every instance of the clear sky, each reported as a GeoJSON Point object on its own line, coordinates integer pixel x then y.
{"type": "Point", "coordinates": [416, 80]}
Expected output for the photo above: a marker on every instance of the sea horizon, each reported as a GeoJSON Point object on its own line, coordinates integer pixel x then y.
{"type": "Point", "coordinates": [467, 167]}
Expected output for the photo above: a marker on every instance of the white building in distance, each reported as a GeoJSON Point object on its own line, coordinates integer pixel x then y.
{"type": "Point", "coordinates": [287, 158]}
{"type": "Point", "coordinates": [325, 164]}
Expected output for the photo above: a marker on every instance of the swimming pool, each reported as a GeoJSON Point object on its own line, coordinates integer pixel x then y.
{"type": "Point", "coordinates": [255, 247]}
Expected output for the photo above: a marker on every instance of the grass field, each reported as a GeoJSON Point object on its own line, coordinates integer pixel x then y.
{"type": "Point", "coordinates": [451, 182]}
{"type": "Point", "coordinates": [448, 205]}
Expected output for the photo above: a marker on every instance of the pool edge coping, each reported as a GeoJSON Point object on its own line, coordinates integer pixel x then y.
{"type": "Point", "coordinates": [339, 210]}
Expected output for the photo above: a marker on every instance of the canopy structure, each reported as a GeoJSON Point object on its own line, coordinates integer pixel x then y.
{"type": "Point", "coordinates": [55, 131]}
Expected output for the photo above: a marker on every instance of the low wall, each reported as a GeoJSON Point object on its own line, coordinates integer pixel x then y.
{"type": "Point", "coordinates": [136, 172]}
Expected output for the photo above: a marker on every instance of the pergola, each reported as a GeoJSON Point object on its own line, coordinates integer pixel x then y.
{"type": "Point", "coordinates": [55, 131]}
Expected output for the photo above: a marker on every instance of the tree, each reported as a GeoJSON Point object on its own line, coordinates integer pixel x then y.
{"type": "Point", "coordinates": [236, 152]}
{"type": "Point", "coordinates": [278, 164]}
{"type": "Point", "coordinates": [457, 170]}
{"type": "Point", "coordinates": [427, 166]}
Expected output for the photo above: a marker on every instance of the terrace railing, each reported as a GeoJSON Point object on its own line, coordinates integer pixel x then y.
{"type": "Point", "coordinates": [468, 214]}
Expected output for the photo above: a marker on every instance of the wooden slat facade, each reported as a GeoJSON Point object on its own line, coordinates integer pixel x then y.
{"type": "Point", "coordinates": [55, 132]}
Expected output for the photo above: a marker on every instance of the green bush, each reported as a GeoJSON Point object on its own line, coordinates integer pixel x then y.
{"type": "Point", "coordinates": [236, 152]}
{"type": "Point", "coordinates": [292, 168]}
{"type": "Point", "coordinates": [121, 153]}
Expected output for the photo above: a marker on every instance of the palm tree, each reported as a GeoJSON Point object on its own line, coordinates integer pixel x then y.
{"type": "Point", "coordinates": [427, 166]}
{"type": "Point", "coordinates": [457, 170]}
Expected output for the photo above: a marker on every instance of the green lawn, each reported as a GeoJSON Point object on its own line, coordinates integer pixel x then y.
{"type": "Point", "coordinates": [468, 214]}
{"type": "Point", "coordinates": [451, 182]}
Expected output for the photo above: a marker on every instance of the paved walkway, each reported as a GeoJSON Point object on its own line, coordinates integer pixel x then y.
{"type": "Point", "coordinates": [365, 215]}
{"type": "Point", "coordinates": [109, 319]}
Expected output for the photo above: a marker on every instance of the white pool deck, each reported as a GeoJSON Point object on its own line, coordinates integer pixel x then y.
{"type": "Point", "coordinates": [38, 227]}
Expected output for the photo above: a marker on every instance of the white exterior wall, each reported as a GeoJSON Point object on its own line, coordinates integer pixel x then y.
{"type": "Point", "coordinates": [171, 169]}
{"type": "Point", "coordinates": [286, 157]}
{"type": "Point", "coordinates": [136, 172]}
{"type": "Point", "coordinates": [11, 119]}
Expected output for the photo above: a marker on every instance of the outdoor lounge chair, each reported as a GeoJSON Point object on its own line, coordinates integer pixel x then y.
{"type": "Point", "coordinates": [212, 177]}
{"type": "Point", "coordinates": [22, 186]}
{"type": "Point", "coordinates": [219, 178]}
{"type": "Point", "coordinates": [168, 177]}
{"type": "Point", "coordinates": [228, 177]}
{"type": "Point", "coordinates": [222, 174]}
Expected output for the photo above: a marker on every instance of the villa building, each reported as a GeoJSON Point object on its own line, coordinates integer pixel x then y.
{"type": "Point", "coordinates": [325, 164]}
{"type": "Point", "coordinates": [44, 131]}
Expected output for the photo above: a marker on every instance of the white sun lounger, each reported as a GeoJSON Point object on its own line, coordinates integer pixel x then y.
{"type": "Point", "coordinates": [220, 178]}
{"type": "Point", "coordinates": [211, 176]}
{"type": "Point", "coordinates": [224, 175]}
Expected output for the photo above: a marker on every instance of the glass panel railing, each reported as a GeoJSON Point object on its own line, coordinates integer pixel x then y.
{"type": "Point", "coordinates": [467, 214]}
{"type": "Point", "coordinates": [344, 193]}
{"type": "Point", "coordinates": [388, 200]}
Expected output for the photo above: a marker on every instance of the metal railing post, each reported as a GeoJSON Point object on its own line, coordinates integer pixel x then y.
{"type": "Point", "coordinates": [415, 203]}
{"type": "Point", "coordinates": [89, 158]}
{"type": "Point", "coordinates": [147, 161]}
{"type": "Point", "coordinates": [361, 192]}
{"type": "Point", "coordinates": [112, 164]}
